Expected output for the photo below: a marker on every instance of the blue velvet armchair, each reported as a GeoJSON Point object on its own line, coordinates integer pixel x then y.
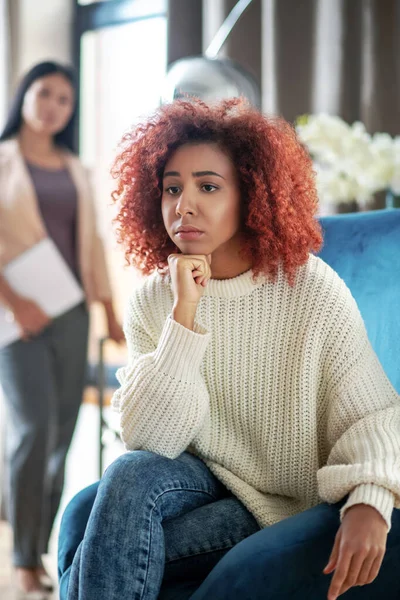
{"type": "Point", "coordinates": [364, 248]}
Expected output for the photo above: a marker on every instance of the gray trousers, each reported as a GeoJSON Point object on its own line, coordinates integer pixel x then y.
{"type": "Point", "coordinates": [42, 381]}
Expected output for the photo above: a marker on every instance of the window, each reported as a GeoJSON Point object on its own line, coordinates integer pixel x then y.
{"type": "Point", "coordinates": [117, 51]}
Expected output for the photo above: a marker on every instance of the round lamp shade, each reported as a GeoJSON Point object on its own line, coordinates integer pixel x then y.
{"type": "Point", "coordinates": [209, 79]}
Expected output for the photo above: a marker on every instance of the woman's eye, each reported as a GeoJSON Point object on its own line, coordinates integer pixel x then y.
{"type": "Point", "coordinates": [173, 190]}
{"type": "Point", "coordinates": [44, 93]}
{"type": "Point", "coordinates": [208, 187]}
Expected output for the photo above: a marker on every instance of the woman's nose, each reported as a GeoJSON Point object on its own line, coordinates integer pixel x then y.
{"type": "Point", "coordinates": [184, 206]}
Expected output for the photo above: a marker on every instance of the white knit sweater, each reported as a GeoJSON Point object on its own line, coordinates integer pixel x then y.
{"type": "Point", "coordinates": [278, 390]}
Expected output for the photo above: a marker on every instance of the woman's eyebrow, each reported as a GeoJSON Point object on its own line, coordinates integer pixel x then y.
{"type": "Point", "coordinates": [195, 174]}
{"type": "Point", "coordinates": [203, 173]}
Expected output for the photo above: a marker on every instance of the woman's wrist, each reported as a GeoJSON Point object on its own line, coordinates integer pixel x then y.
{"type": "Point", "coordinates": [184, 314]}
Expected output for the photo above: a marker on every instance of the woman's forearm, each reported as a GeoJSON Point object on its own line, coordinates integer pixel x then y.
{"type": "Point", "coordinates": [114, 328]}
{"type": "Point", "coordinates": [109, 309]}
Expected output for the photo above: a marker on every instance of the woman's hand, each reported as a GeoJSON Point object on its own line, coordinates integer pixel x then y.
{"type": "Point", "coordinates": [29, 316]}
{"type": "Point", "coordinates": [358, 551]}
{"type": "Point", "coordinates": [189, 275]}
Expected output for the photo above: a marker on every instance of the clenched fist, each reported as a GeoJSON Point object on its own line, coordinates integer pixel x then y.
{"type": "Point", "coordinates": [189, 275]}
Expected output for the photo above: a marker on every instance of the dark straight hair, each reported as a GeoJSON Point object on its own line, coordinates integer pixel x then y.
{"type": "Point", "coordinates": [14, 119]}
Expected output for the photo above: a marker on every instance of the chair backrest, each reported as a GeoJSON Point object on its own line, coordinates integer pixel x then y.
{"type": "Point", "coordinates": [364, 249]}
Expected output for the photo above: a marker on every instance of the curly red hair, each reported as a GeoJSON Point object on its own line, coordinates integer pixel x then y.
{"type": "Point", "coordinates": [274, 170]}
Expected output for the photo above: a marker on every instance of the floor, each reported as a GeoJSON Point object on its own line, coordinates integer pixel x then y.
{"type": "Point", "coordinates": [81, 470]}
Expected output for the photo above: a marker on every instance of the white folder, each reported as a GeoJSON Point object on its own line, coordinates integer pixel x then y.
{"type": "Point", "coordinates": [40, 274]}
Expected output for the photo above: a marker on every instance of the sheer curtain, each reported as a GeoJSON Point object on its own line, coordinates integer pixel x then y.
{"type": "Point", "coordinates": [337, 56]}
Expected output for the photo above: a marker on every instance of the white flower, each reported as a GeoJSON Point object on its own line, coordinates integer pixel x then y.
{"type": "Point", "coordinates": [350, 164]}
{"type": "Point", "coordinates": [325, 136]}
{"type": "Point", "coordinates": [333, 186]}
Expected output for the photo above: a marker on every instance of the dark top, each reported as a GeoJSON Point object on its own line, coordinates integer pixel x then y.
{"type": "Point", "coordinates": [58, 204]}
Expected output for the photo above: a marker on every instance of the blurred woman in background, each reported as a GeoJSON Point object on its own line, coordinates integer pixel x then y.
{"type": "Point", "coordinates": [44, 192]}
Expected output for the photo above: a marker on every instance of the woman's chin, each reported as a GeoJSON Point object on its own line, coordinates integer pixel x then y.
{"type": "Point", "coordinates": [194, 248]}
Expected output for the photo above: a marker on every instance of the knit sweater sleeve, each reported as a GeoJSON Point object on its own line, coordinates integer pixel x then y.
{"type": "Point", "coordinates": [363, 420]}
{"type": "Point", "coordinates": [162, 400]}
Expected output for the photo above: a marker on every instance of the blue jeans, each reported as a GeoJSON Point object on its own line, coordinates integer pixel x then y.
{"type": "Point", "coordinates": [157, 528]}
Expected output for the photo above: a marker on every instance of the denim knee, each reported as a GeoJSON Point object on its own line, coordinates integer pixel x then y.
{"type": "Point", "coordinates": [137, 467]}
{"type": "Point", "coordinates": [136, 462]}
{"type": "Point", "coordinates": [142, 473]}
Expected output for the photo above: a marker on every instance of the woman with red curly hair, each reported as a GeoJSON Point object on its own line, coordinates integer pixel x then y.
{"type": "Point", "coordinates": [251, 395]}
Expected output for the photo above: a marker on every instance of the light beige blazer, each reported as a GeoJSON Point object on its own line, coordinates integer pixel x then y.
{"type": "Point", "coordinates": [21, 224]}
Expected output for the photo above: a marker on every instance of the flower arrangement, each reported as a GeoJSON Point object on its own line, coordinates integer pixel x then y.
{"type": "Point", "coordinates": [351, 165]}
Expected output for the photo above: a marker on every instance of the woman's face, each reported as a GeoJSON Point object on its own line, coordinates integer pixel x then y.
{"type": "Point", "coordinates": [48, 104]}
{"type": "Point", "coordinates": [201, 204]}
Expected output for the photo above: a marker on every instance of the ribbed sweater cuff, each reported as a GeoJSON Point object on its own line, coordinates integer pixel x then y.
{"type": "Point", "coordinates": [373, 495]}
{"type": "Point", "coordinates": [180, 351]}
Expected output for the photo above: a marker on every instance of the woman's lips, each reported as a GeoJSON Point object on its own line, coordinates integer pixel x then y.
{"type": "Point", "coordinates": [189, 235]}
{"type": "Point", "coordinates": [188, 232]}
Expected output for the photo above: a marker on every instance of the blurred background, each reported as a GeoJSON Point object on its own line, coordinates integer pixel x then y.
{"type": "Point", "coordinates": [331, 67]}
